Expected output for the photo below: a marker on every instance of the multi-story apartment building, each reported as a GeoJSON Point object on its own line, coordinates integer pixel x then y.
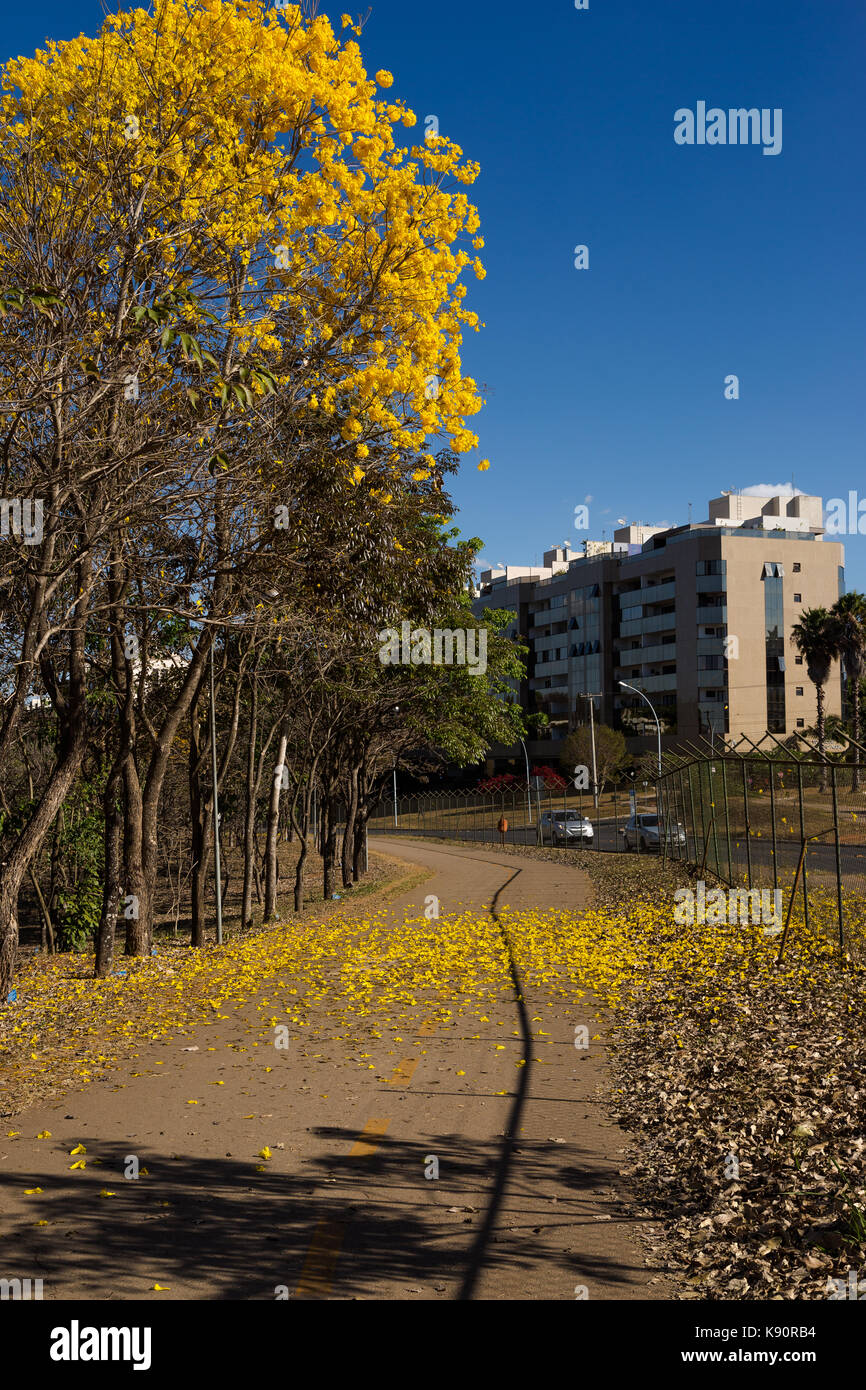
{"type": "Point", "coordinates": [698, 617]}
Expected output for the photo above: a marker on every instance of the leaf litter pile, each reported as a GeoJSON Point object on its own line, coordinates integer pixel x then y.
{"type": "Point", "coordinates": [743, 1084]}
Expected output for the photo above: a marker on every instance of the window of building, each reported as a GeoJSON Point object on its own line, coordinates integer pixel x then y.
{"type": "Point", "coordinates": [799, 690]}
{"type": "Point", "coordinates": [801, 723]}
{"type": "Point", "coordinates": [798, 661]}
{"type": "Point", "coordinates": [710, 567]}
{"type": "Point", "coordinates": [798, 598]}
{"type": "Point", "coordinates": [774, 624]}
{"type": "Point", "coordinates": [796, 566]}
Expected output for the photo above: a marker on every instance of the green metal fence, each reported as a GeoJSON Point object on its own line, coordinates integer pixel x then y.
{"type": "Point", "coordinates": [758, 815]}
{"type": "Point", "coordinates": [534, 815]}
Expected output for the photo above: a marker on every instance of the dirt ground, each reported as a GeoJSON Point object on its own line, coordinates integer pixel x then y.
{"type": "Point", "coordinates": [528, 1202]}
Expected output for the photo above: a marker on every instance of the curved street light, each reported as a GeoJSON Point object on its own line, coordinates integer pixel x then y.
{"type": "Point", "coordinates": [626, 686]}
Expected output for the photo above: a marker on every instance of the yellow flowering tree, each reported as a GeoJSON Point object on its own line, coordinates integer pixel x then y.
{"type": "Point", "coordinates": [212, 241]}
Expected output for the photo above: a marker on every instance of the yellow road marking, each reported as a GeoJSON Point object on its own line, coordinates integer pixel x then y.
{"type": "Point", "coordinates": [368, 1142]}
{"type": "Point", "coordinates": [403, 1071]}
{"type": "Point", "coordinates": [318, 1272]}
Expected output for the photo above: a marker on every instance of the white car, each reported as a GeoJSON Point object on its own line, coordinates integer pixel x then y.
{"type": "Point", "coordinates": [642, 833]}
{"type": "Point", "coordinates": [565, 828]}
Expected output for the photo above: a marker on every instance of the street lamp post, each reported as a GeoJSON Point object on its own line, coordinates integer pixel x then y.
{"type": "Point", "coordinates": [626, 686]}
{"type": "Point", "coordinates": [528, 797]}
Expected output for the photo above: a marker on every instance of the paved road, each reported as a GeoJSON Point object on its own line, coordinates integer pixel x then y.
{"type": "Point", "coordinates": [820, 855]}
{"type": "Point", "coordinates": [527, 1206]}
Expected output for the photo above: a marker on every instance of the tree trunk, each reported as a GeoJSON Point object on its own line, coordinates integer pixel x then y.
{"type": "Point", "coordinates": [138, 912]}
{"type": "Point", "coordinates": [28, 842]}
{"type": "Point", "coordinates": [112, 886]}
{"type": "Point", "coordinates": [201, 811]}
{"type": "Point", "coordinates": [329, 849]}
{"type": "Point", "coordinates": [302, 827]}
{"type": "Point", "coordinates": [359, 865]}
{"type": "Point", "coordinates": [271, 839]}
{"type": "Point", "coordinates": [821, 753]}
{"type": "Point", "coordinates": [855, 775]}
{"type": "Point", "coordinates": [47, 924]}
{"type": "Point", "coordinates": [250, 806]}
{"type": "Point", "coordinates": [347, 857]}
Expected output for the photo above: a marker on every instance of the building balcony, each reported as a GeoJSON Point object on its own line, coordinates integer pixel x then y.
{"type": "Point", "coordinates": [545, 669]}
{"type": "Point", "coordinates": [664, 622]}
{"type": "Point", "coordinates": [658, 593]}
{"type": "Point", "coordinates": [712, 615]}
{"type": "Point", "coordinates": [710, 646]}
{"type": "Point", "coordinates": [640, 656]}
{"type": "Point", "coordinates": [651, 684]}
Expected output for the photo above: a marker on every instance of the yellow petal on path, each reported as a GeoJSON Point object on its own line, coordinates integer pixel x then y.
{"type": "Point", "coordinates": [79, 1149]}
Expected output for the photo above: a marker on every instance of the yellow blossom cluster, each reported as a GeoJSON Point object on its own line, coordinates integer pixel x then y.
{"type": "Point", "coordinates": [243, 152]}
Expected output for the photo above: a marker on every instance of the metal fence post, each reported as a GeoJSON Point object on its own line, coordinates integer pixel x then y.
{"type": "Point", "coordinates": [773, 825]}
{"type": "Point", "coordinates": [727, 819]}
{"type": "Point", "coordinates": [838, 865]}
{"type": "Point", "coordinates": [803, 840]}
{"type": "Point", "coordinates": [694, 817]}
{"type": "Point", "coordinates": [748, 828]}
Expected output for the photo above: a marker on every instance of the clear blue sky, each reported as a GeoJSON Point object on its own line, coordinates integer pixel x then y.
{"type": "Point", "coordinates": [704, 261]}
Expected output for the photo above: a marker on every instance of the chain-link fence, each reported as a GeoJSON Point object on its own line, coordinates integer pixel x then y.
{"type": "Point", "coordinates": [752, 817]}
{"type": "Point", "coordinates": [619, 819]}
{"type": "Point", "coordinates": [761, 817]}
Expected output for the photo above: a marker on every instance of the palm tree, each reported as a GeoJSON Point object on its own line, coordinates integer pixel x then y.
{"type": "Point", "coordinates": [816, 637]}
{"type": "Point", "coordinates": [849, 611]}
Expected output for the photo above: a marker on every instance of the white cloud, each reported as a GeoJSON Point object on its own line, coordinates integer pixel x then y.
{"type": "Point", "coordinates": [772, 490]}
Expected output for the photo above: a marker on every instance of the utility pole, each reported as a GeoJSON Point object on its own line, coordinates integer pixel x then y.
{"type": "Point", "coordinates": [591, 697]}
